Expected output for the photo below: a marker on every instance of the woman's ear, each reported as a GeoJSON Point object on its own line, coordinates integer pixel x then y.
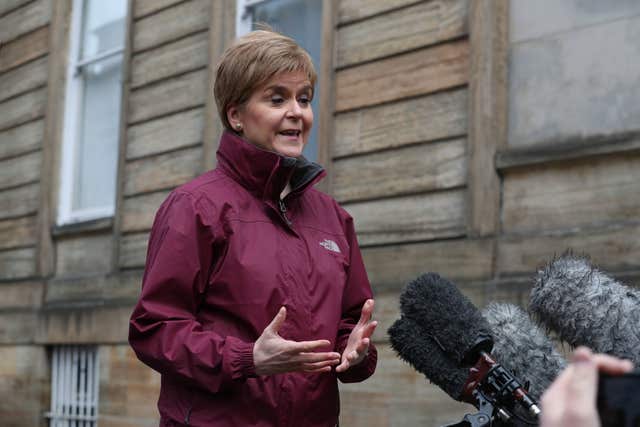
{"type": "Point", "coordinates": [234, 117]}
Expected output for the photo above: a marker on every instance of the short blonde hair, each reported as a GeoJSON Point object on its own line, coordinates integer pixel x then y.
{"type": "Point", "coordinates": [250, 62]}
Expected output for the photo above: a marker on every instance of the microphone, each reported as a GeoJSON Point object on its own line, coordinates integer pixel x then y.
{"type": "Point", "coordinates": [586, 307]}
{"type": "Point", "coordinates": [453, 321]}
{"type": "Point", "coordinates": [448, 324]}
{"type": "Point", "coordinates": [414, 345]}
{"type": "Point", "coordinates": [523, 347]}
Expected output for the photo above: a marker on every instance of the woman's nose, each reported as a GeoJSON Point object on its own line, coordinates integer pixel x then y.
{"type": "Point", "coordinates": [294, 111]}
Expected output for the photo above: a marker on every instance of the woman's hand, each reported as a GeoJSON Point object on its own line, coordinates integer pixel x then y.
{"type": "Point", "coordinates": [570, 401]}
{"type": "Point", "coordinates": [359, 339]}
{"type": "Point", "coordinates": [272, 354]}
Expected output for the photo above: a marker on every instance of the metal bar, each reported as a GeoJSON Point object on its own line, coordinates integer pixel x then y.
{"type": "Point", "coordinates": [96, 381]}
{"type": "Point", "coordinates": [74, 383]}
{"type": "Point", "coordinates": [82, 386]}
{"type": "Point", "coordinates": [103, 55]}
{"type": "Point", "coordinates": [65, 386]}
{"type": "Point", "coordinates": [90, 380]}
{"type": "Point", "coordinates": [90, 418]}
{"type": "Point", "coordinates": [251, 3]}
{"type": "Point", "coordinates": [55, 357]}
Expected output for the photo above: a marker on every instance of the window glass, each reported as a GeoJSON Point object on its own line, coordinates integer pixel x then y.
{"type": "Point", "coordinates": [103, 27]}
{"type": "Point", "coordinates": [97, 156]}
{"type": "Point", "coordinates": [92, 110]}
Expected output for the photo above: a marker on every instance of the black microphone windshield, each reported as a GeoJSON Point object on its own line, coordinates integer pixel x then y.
{"type": "Point", "coordinates": [440, 308]}
{"type": "Point", "coordinates": [522, 347]}
{"type": "Point", "coordinates": [413, 345]}
{"type": "Point", "coordinates": [586, 307]}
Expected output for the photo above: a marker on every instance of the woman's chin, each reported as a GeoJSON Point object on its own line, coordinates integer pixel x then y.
{"type": "Point", "coordinates": [290, 150]}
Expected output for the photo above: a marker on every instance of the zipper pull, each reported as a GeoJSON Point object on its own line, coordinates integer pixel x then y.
{"type": "Point", "coordinates": [283, 211]}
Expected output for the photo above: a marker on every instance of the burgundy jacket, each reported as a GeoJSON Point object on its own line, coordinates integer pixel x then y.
{"type": "Point", "coordinates": [224, 255]}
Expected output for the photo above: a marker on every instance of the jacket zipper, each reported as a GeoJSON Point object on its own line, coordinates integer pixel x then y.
{"type": "Point", "coordinates": [187, 418]}
{"type": "Point", "coordinates": [283, 211]}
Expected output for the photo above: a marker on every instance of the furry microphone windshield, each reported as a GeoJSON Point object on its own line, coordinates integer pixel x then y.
{"type": "Point", "coordinates": [454, 322]}
{"type": "Point", "coordinates": [586, 307]}
{"type": "Point", "coordinates": [414, 345]}
{"type": "Point", "coordinates": [522, 347]}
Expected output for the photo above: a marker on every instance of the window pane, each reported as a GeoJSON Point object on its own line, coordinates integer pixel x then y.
{"type": "Point", "coordinates": [104, 26]}
{"type": "Point", "coordinates": [97, 155]}
{"type": "Point", "coordinates": [302, 21]}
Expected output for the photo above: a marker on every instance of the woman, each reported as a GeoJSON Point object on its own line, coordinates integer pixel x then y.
{"type": "Point", "coordinates": [255, 299]}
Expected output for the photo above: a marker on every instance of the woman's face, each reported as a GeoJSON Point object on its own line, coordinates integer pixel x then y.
{"type": "Point", "coordinates": [278, 115]}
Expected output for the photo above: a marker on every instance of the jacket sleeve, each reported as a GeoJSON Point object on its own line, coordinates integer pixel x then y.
{"type": "Point", "coordinates": [356, 292]}
{"type": "Point", "coordinates": [163, 329]}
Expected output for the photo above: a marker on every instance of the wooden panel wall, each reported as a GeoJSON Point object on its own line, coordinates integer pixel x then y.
{"type": "Point", "coordinates": [24, 61]}
{"type": "Point", "coordinates": [168, 91]}
{"type": "Point", "coordinates": [399, 153]}
{"type": "Point", "coordinates": [589, 205]}
{"type": "Point", "coordinates": [399, 167]}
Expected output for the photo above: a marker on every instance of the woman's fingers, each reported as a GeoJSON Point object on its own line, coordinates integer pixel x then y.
{"type": "Point", "coordinates": [330, 357]}
{"type": "Point", "coordinates": [343, 366]}
{"type": "Point", "coordinates": [277, 321]}
{"type": "Point", "coordinates": [309, 367]}
{"type": "Point", "coordinates": [362, 346]}
{"type": "Point", "coordinates": [367, 311]}
{"type": "Point", "coordinates": [368, 329]}
{"type": "Point", "coordinates": [308, 346]}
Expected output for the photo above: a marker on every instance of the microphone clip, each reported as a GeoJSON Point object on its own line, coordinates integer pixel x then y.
{"type": "Point", "coordinates": [495, 392]}
{"type": "Point", "coordinates": [483, 418]}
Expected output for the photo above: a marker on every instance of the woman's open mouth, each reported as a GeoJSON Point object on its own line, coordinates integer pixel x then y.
{"type": "Point", "coordinates": [292, 133]}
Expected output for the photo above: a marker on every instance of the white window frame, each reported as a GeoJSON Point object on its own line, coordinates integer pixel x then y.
{"type": "Point", "coordinates": [75, 386]}
{"type": "Point", "coordinates": [70, 135]}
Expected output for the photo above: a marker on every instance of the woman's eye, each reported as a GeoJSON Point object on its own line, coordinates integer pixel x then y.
{"type": "Point", "coordinates": [277, 100]}
{"type": "Point", "coordinates": [304, 100]}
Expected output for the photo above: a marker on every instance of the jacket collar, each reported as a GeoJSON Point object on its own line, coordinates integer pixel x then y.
{"type": "Point", "coordinates": [265, 173]}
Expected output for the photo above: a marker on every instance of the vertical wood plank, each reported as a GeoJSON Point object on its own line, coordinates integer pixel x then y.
{"type": "Point", "coordinates": [123, 135]}
{"type": "Point", "coordinates": [51, 146]}
{"type": "Point", "coordinates": [487, 112]}
{"type": "Point", "coordinates": [326, 102]}
{"type": "Point", "coordinates": [221, 33]}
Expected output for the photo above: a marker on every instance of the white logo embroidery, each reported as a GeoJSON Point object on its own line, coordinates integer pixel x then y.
{"type": "Point", "coordinates": [330, 245]}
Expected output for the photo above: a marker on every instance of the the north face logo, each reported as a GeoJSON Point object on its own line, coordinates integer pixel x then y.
{"type": "Point", "coordinates": [330, 245]}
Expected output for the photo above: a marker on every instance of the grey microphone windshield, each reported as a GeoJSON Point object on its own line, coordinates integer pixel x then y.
{"type": "Point", "coordinates": [584, 306]}
{"type": "Point", "coordinates": [522, 347]}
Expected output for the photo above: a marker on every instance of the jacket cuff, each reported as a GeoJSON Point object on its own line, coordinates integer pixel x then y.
{"type": "Point", "coordinates": [239, 359]}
